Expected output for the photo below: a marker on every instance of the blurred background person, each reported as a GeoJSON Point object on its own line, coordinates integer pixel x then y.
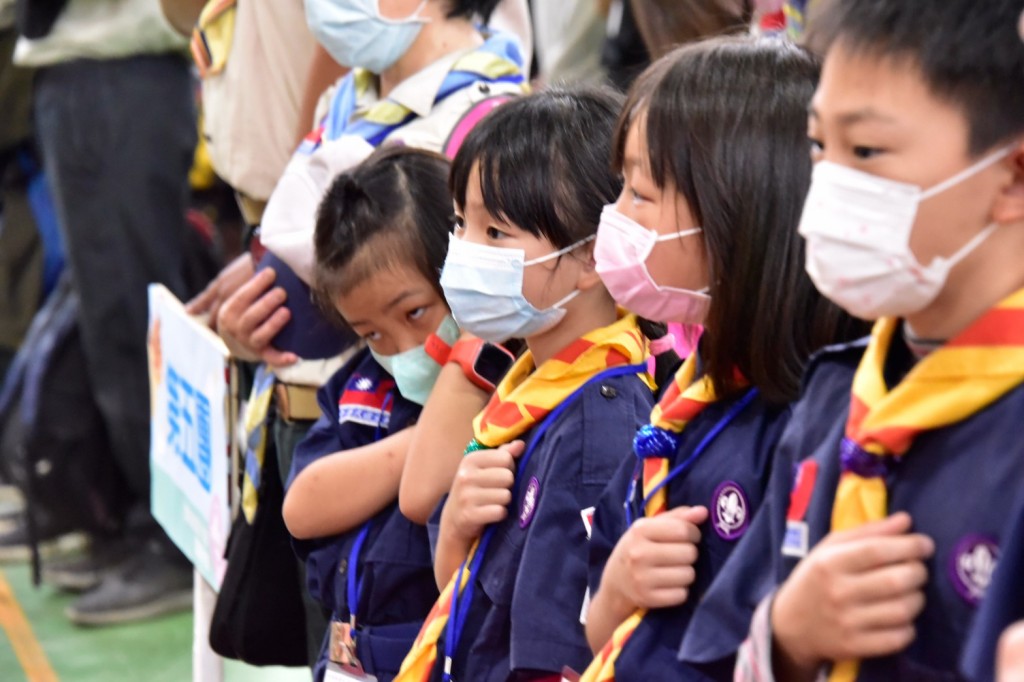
{"type": "Point", "coordinates": [115, 121]}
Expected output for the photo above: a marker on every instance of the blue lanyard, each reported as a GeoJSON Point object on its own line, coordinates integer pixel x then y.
{"type": "Point", "coordinates": [688, 463]}
{"type": "Point", "coordinates": [459, 610]}
{"type": "Point", "coordinates": [354, 581]}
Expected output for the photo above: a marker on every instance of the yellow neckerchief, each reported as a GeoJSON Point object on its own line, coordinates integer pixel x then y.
{"type": "Point", "coordinates": [954, 382]}
{"type": "Point", "coordinates": [682, 401]}
{"type": "Point", "coordinates": [526, 395]}
{"type": "Point", "coordinates": [522, 400]}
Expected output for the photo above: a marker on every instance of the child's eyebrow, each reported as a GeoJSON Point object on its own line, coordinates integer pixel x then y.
{"type": "Point", "coordinates": [398, 299]}
{"type": "Point", "coordinates": [850, 118]}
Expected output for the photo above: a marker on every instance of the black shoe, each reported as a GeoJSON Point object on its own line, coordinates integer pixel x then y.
{"type": "Point", "coordinates": [86, 570]}
{"type": "Point", "coordinates": [155, 581]}
{"type": "Point", "coordinates": [53, 542]}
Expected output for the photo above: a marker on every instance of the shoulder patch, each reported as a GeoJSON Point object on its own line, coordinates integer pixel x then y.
{"type": "Point", "coordinates": [366, 401]}
{"type": "Point", "coordinates": [795, 541]}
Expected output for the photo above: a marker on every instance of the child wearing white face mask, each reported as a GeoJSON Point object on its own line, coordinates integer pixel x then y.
{"type": "Point", "coordinates": [529, 184]}
{"type": "Point", "coordinates": [874, 559]}
{"type": "Point", "coordinates": [700, 236]}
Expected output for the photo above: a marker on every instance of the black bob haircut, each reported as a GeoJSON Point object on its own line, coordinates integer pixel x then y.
{"type": "Point", "coordinates": [968, 52]}
{"type": "Point", "coordinates": [392, 209]}
{"type": "Point", "coordinates": [724, 124]}
{"type": "Point", "coordinates": [543, 162]}
{"type": "Point", "coordinates": [468, 9]}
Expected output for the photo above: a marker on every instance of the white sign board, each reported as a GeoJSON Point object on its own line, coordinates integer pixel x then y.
{"type": "Point", "coordinates": [190, 435]}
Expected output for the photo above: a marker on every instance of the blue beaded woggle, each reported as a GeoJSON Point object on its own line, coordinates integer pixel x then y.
{"type": "Point", "coordinates": [654, 441]}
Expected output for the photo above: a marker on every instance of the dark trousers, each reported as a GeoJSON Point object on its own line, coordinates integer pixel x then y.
{"type": "Point", "coordinates": [117, 138]}
{"type": "Point", "coordinates": [287, 435]}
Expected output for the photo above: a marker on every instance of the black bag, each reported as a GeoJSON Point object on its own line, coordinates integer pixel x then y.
{"type": "Point", "coordinates": [53, 442]}
{"type": "Point", "coordinates": [259, 617]}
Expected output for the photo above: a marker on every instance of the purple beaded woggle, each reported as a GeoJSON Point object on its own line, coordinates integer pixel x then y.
{"type": "Point", "coordinates": [654, 441]}
{"type": "Point", "coordinates": [859, 461]}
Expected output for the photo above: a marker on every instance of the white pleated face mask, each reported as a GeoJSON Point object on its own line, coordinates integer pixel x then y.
{"type": "Point", "coordinates": [858, 227]}
{"type": "Point", "coordinates": [484, 289]}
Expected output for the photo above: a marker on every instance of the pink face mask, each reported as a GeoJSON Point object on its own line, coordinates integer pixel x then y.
{"type": "Point", "coordinates": [621, 253]}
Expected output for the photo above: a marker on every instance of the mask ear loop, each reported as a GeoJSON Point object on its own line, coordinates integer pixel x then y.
{"type": "Point", "coordinates": [679, 235]}
{"type": "Point", "coordinates": [970, 246]}
{"type": "Point", "coordinates": [560, 252]}
{"type": "Point", "coordinates": [978, 167]}
{"type": "Point", "coordinates": [706, 291]}
{"type": "Point", "coordinates": [411, 19]}
{"type": "Point", "coordinates": [968, 172]}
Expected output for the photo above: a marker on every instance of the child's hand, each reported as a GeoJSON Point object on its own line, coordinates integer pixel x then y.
{"type": "Point", "coordinates": [652, 564]}
{"type": "Point", "coordinates": [1010, 663]}
{"type": "Point", "coordinates": [856, 595]}
{"type": "Point", "coordinates": [481, 492]}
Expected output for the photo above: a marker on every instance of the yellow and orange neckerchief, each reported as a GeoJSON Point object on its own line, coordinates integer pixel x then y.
{"type": "Point", "coordinates": [682, 401]}
{"type": "Point", "coordinates": [950, 384]}
{"type": "Point", "coordinates": [522, 400]}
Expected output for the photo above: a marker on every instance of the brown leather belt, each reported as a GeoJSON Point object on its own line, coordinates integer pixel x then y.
{"type": "Point", "coordinates": [296, 403]}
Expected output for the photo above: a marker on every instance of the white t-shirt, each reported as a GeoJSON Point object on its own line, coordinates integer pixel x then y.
{"type": "Point", "coordinates": [101, 29]}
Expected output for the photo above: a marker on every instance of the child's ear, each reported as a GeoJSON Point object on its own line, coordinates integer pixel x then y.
{"type": "Point", "coordinates": [588, 271]}
{"type": "Point", "coordinates": [1009, 205]}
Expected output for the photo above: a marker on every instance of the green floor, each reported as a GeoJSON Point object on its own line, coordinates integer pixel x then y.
{"type": "Point", "coordinates": [156, 651]}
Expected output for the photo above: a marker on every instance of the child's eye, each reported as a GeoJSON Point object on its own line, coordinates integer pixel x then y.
{"type": "Point", "coordinates": [417, 313]}
{"type": "Point", "coordinates": [495, 233]}
{"type": "Point", "coordinates": [636, 197]}
{"type": "Point", "coordinates": [371, 336]}
{"type": "Point", "coordinates": [459, 223]}
{"type": "Point", "coordinates": [865, 153]}
{"type": "Point", "coordinates": [817, 146]}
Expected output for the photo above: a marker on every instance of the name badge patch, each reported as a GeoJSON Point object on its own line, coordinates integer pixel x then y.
{"type": "Point", "coordinates": [794, 544]}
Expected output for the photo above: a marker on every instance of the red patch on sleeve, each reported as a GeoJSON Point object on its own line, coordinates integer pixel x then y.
{"type": "Point", "coordinates": [803, 487]}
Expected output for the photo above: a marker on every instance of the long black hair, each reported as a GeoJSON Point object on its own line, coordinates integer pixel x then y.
{"type": "Point", "coordinates": [725, 126]}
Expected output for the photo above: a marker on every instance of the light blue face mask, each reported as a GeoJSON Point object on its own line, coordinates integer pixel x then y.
{"type": "Point", "coordinates": [414, 371]}
{"type": "Point", "coordinates": [484, 289]}
{"type": "Point", "coordinates": [356, 35]}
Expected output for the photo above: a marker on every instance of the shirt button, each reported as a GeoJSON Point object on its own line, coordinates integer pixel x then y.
{"type": "Point", "coordinates": [343, 566]}
{"type": "Point", "coordinates": [609, 392]}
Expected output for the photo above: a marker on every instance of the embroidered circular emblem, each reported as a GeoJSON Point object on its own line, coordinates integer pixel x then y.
{"type": "Point", "coordinates": [730, 511]}
{"type": "Point", "coordinates": [529, 502]}
{"type": "Point", "coordinates": [971, 565]}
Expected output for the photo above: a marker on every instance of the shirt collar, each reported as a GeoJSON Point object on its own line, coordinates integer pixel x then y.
{"type": "Point", "coordinates": [418, 92]}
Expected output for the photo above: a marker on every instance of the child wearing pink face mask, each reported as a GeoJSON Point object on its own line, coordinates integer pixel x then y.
{"type": "Point", "coordinates": [711, 146]}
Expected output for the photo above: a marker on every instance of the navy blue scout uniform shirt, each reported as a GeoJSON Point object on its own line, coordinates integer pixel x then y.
{"type": "Point", "coordinates": [958, 483]}
{"type": "Point", "coordinates": [729, 478]}
{"type": "Point", "coordinates": [359, 404]}
{"type": "Point", "coordinates": [525, 613]}
{"type": "Point", "coordinates": [1003, 604]}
